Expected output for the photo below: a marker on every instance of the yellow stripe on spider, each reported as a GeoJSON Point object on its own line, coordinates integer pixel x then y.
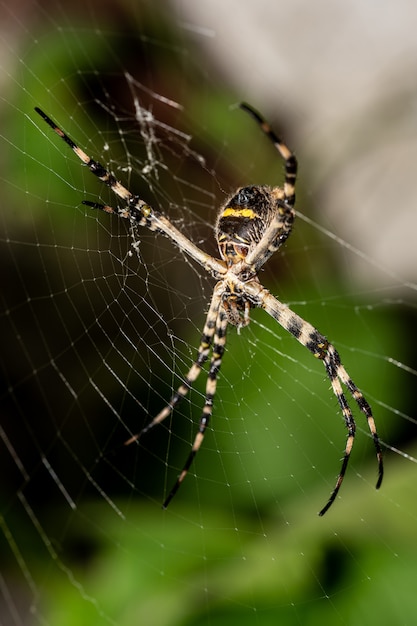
{"type": "Point", "coordinates": [232, 212]}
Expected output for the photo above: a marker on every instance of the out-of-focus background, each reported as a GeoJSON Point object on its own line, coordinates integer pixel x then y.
{"type": "Point", "coordinates": [96, 333]}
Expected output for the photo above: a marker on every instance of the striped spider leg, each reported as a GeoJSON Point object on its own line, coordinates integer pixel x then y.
{"type": "Point", "coordinates": [251, 225]}
{"type": "Point", "coordinates": [320, 347]}
{"type": "Point", "coordinates": [134, 208]}
{"type": "Point", "coordinates": [214, 337]}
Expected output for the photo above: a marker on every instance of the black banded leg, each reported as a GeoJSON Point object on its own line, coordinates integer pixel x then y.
{"type": "Point", "coordinates": [275, 235]}
{"type": "Point", "coordinates": [142, 209]}
{"type": "Point", "coordinates": [194, 371]}
{"type": "Point", "coordinates": [135, 211]}
{"type": "Point", "coordinates": [285, 152]}
{"type": "Point", "coordinates": [363, 406]}
{"type": "Point", "coordinates": [135, 207]}
{"type": "Point", "coordinates": [219, 343]}
{"type": "Point", "coordinates": [318, 345]}
{"type": "Point", "coordinates": [350, 425]}
{"type": "Point", "coordinates": [94, 166]}
{"type": "Point", "coordinates": [337, 374]}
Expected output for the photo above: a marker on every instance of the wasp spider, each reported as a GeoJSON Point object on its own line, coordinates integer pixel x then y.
{"type": "Point", "coordinates": [252, 224]}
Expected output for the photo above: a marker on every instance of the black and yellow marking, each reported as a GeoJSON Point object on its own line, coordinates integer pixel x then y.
{"type": "Point", "coordinates": [246, 213]}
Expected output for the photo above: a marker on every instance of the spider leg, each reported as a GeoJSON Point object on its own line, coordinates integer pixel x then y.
{"type": "Point", "coordinates": [336, 373]}
{"type": "Point", "coordinates": [273, 238]}
{"type": "Point", "coordinates": [94, 166]}
{"type": "Point", "coordinates": [314, 341]}
{"type": "Point", "coordinates": [134, 208]}
{"type": "Point", "coordinates": [281, 226]}
{"type": "Point", "coordinates": [285, 152]}
{"type": "Point", "coordinates": [194, 371]}
{"type": "Point", "coordinates": [219, 343]}
{"type": "Point", "coordinates": [333, 374]}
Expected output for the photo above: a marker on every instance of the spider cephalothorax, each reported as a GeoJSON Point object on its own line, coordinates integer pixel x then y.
{"type": "Point", "coordinates": [253, 223]}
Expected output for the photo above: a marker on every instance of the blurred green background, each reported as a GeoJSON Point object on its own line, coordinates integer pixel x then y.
{"type": "Point", "coordinates": [92, 345]}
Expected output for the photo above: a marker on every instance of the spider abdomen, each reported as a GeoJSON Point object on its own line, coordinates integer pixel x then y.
{"type": "Point", "coordinates": [244, 218]}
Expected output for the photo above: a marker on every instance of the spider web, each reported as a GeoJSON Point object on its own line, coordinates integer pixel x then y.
{"type": "Point", "coordinates": [100, 322]}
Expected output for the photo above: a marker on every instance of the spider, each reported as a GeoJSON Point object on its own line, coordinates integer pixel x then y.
{"type": "Point", "coordinates": [251, 225]}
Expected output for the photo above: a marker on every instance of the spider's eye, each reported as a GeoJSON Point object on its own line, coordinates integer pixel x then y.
{"type": "Point", "coordinates": [246, 196]}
